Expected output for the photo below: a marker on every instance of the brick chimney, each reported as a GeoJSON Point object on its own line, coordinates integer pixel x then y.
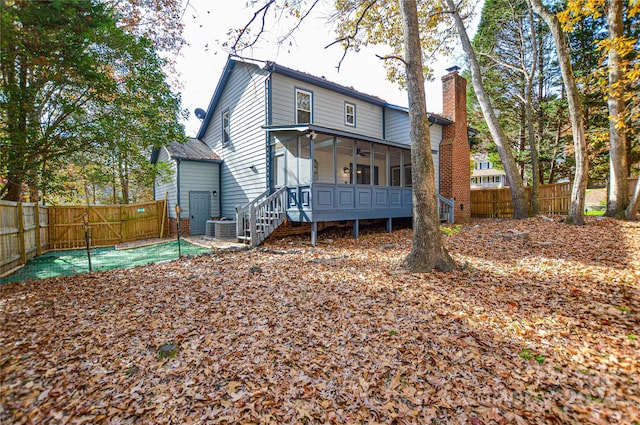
{"type": "Point", "coordinates": [455, 156]}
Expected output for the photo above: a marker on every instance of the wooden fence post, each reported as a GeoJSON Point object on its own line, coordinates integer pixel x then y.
{"type": "Point", "coordinates": [494, 204]}
{"type": "Point", "coordinates": [122, 225]}
{"type": "Point", "coordinates": [52, 232]}
{"type": "Point", "coordinates": [38, 238]}
{"type": "Point", "coordinates": [23, 253]}
{"type": "Point", "coordinates": [164, 213]}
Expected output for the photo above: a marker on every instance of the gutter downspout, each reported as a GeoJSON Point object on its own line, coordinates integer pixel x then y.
{"type": "Point", "coordinates": [219, 190]}
{"type": "Point", "coordinates": [440, 157]}
{"type": "Point", "coordinates": [268, 118]}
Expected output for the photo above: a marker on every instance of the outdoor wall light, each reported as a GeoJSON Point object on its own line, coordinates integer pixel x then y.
{"type": "Point", "coordinates": [346, 170]}
{"type": "Point", "coordinates": [215, 193]}
{"type": "Point", "coordinates": [254, 168]}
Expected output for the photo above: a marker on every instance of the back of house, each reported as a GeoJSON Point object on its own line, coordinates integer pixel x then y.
{"type": "Point", "coordinates": [337, 154]}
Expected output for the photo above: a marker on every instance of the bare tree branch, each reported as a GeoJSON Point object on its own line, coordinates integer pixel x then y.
{"type": "Point", "coordinates": [292, 30]}
{"type": "Point", "coordinates": [263, 10]}
{"type": "Point", "coordinates": [352, 36]}
{"type": "Point", "coordinates": [392, 57]}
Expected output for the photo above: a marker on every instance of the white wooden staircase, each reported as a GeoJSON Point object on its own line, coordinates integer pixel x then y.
{"type": "Point", "coordinates": [256, 220]}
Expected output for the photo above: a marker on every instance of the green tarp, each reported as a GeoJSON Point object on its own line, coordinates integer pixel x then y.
{"type": "Point", "coordinates": [67, 263]}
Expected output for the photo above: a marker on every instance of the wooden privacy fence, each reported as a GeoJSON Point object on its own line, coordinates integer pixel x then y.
{"type": "Point", "coordinates": [28, 229]}
{"type": "Point", "coordinates": [24, 233]}
{"type": "Point", "coordinates": [552, 199]}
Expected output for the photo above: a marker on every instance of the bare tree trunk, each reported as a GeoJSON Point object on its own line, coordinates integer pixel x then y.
{"type": "Point", "coordinates": [632, 209]}
{"type": "Point", "coordinates": [113, 181]}
{"type": "Point", "coordinates": [33, 185]}
{"type": "Point", "coordinates": [576, 207]}
{"type": "Point", "coordinates": [618, 186]}
{"type": "Point", "coordinates": [518, 194]}
{"type": "Point", "coordinates": [522, 140]}
{"type": "Point", "coordinates": [541, 80]}
{"type": "Point", "coordinates": [428, 252]}
{"type": "Point", "coordinates": [125, 182]}
{"type": "Point", "coordinates": [535, 177]}
{"type": "Point", "coordinates": [528, 102]}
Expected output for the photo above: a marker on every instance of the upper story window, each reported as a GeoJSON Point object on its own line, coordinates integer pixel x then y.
{"type": "Point", "coordinates": [226, 128]}
{"type": "Point", "coordinates": [350, 114]}
{"type": "Point", "coordinates": [483, 165]}
{"type": "Point", "coordinates": [303, 106]}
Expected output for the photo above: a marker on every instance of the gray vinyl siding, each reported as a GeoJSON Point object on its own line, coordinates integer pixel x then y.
{"type": "Point", "coordinates": [161, 189]}
{"type": "Point", "coordinates": [396, 126]}
{"type": "Point", "coordinates": [328, 108]}
{"type": "Point", "coordinates": [397, 130]}
{"type": "Point", "coordinates": [244, 97]}
{"type": "Point", "coordinates": [436, 138]}
{"type": "Point", "coordinates": [199, 177]}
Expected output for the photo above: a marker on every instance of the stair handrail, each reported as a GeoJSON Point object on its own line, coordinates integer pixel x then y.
{"type": "Point", "coordinates": [241, 214]}
{"type": "Point", "coordinates": [259, 237]}
{"type": "Point", "coordinates": [445, 205]}
{"type": "Point", "coordinates": [247, 215]}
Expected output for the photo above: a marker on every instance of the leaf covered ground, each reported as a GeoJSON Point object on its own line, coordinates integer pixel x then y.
{"type": "Point", "coordinates": [541, 325]}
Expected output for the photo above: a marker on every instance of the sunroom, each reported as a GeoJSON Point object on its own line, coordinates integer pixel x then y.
{"type": "Point", "coordinates": [332, 175]}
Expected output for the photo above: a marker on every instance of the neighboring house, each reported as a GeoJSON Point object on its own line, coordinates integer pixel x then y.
{"type": "Point", "coordinates": [301, 150]}
{"type": "Point", "coordinates": [194, 181]}
{"type": "Point", "coordinates": [484, 175]}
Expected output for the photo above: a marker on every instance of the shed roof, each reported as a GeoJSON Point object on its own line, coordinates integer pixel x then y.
{"type": "Point", "coordinates": [191, 150]}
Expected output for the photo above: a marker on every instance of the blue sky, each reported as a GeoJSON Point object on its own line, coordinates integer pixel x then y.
{"type": "Point", "coordinates": [201, 62]}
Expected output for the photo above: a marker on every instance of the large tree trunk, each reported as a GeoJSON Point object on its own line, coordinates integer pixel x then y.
{"type": "Point", "coordinates": [518, 194]}
{"type": "Point", "coordinates": [535, 177]}
{"type": "Point", "coordinates": [576, 207]}
{"type": "Point", "coordinates": [16, 83]}
{"type": "Point", "coordinates": [540, 86]}
{"type": "Point", "coordinates": [124, 180]}
{"type": "Point", "coordinates": [529, 76]}
{"type": "Point", "coordinates": [618, 198]}
{"type": "Point", "coordinates": [428, 252]}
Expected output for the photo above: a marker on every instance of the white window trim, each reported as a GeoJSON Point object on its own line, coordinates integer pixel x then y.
{"type": "Point", "coordinates": [228, 114]}
{"type": "Point", "coordinates": [346, 114]}
{"type": "Point", "coordinates": [310, 94]}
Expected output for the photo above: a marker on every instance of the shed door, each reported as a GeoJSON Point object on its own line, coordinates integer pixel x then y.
{"type": "Point", "coordinates": [199, 209]}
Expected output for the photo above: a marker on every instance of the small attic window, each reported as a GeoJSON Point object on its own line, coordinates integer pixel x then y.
{"type": "Point", "coordinates": [226, 128]}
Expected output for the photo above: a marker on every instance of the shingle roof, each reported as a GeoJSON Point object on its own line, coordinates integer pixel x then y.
{"type": "Point", "coordinates": [323, 82]}
{"type": "Point", "coordinates": [192, 149]}
{"type": "Point", "coordinates": [301, 76]}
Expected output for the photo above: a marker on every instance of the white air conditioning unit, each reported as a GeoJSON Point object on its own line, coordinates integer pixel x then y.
{"type": "Point", "coordinates": [210, 229]}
